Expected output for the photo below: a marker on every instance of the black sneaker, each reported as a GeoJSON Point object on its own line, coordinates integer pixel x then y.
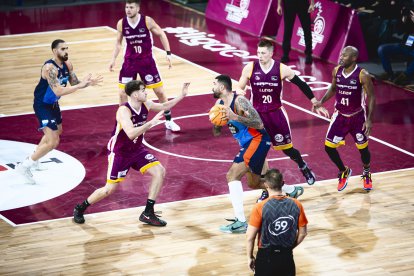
{"type": "Point", "coordinates": [308, 174]}
{"type": "Point", "coordinates": [152, 219]}
{"type": "Point", "coordinates": [265, 194]}
{"type": "Point", "coordinates": [78, 215]}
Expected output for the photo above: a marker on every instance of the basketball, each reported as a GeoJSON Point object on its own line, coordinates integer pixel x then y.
{"type": "Point", "coordinates": [217, 115]}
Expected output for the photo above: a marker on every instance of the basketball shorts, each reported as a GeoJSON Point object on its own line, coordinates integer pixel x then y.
{"type": "Point", "coordinates": [119, 164]}
{"type": "Point", "coordinates": [147, 70]}
{"type": "Point", "coordinates": [254, 153]}
{"type": "Point", "coordinates": [276, 123]}
{"type": "Point", "coordinates": [48, 115]}
{"type": "Point", "coordinates": [341, 125]}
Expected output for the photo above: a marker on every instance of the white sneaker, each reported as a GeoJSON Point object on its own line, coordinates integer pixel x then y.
{"type": "Point", "coordinates": [37, 166]}
{"type": "Point", "coordinates": [171, 125]}
{"type": "Point", "coordinates": [25, 171]}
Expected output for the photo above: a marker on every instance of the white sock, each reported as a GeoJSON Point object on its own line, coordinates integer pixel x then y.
{"type": "Point", "coordinates": [288, 189]}
{"type": "Point", "coordinates": [28, 162]}
{"type": "Point", "coordinates": [236, 197]}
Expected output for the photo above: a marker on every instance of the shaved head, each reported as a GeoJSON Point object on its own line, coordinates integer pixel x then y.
{"type": "Point", "coordinates": [352, 51]}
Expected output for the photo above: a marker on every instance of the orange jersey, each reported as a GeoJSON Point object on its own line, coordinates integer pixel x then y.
{"type": "Point", "coordinates": [278, 218]}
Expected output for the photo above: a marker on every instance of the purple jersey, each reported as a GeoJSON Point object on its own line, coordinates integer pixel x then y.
{"type": "Point", "coordinates": [349, 95]}
{"type": "Point", "coordinates": [120, 142]}
{"type": "Point", "coordinates": [138, 38]}
{"type": "Point", "coordinates": [266, 87]}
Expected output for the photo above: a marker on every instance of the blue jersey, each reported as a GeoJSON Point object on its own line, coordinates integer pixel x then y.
{"type": "Point", "coordinates": [43, 93]}
{"type": "Point", "coordinates": [242, 133]}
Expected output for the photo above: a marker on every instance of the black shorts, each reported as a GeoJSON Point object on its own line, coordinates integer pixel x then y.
{"type": "Point", "coordinates": [275, 261]}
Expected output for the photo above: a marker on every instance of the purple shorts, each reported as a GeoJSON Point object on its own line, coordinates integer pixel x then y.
{"type": "Point", "coordinates": [145, 67]}
{"type": "Point", "coordinates": [341, 125]}
{"type": "Point", "coordinates": [276, 123]}
{"type": "Point", "coordinates": [119, 164]}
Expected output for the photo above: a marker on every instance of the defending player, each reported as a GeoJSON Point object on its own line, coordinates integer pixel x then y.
{"type": "Point", "coordinates": [127, 151]}
{"type": "Point", "coordinates": [350, 85]}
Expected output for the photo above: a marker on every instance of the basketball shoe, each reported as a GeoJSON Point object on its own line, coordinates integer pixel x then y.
{"type": "Point", "coordinates": [171, 125]}
{"type": "Point", "coordinates": [78, 214]}
{"type": "Point", "coordinates": [308, 174]}
{"type": "Point", "coordinates": [152, 219]}
{"type": "Point", "coordinates": [296, 193]}
{"type": "Point", "coordinates": [366, 179]}
{"type": "Point", "coordinates": [236, 227]}
{"type": "Point", "coordinates": [26, 173]}
{"type": "Point", "coordinates": [37, 166]}
{"type": "Point", "coordinates": [265, 194]}
{"type": "Point", "coordinates": [343, 178]}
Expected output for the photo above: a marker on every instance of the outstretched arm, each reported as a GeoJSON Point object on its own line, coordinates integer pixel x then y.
{"type": "Point", "coordinates": [155, 29]}
{"type": "Point", "coordinates": [246, 114]}
{"type": "Point", "coordinates": [123, 116]}
{"type": "Point", "coordinates": [369, 89]}
{"type": "Point", "coordinates": [171, 103]}
{"type": "Point", "coordinates": [287, 73]}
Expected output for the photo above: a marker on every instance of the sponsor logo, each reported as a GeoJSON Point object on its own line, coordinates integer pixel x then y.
{"type": "Point", "coordinates": [359, 137]}
{"type": "Point", "coordinates": [257, 78]}
{"type": "Point", "coordinates": [337, 139]}
{"type": "Point", "coordinates": [237, 10]}
{"type": "Point", "coordinates": [274, 78]}
{"type": "Point", "coordinates": [149, 78]}
{"type": "Point", "coordinates": [194, 38]}
{"type": "Point", "coordinates": [122, 174]}
{"type": "Point", "coordinates": [352, 81]}
{"type": "Point", "coordinates": [149, 156]}
{"type": "Point", "coordinates": [141, 30]}
{"type": "Point", "coordinates": [279, 138]}
{"type": "Point", "coordinates": [318, 27]}
{"type": "Point", "coordinates": [127, 32]}
{"type": "Point", "coordinates": [126, 80]}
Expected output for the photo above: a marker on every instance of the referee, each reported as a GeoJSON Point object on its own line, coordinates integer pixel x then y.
{"type": "Point", "coordinates": [281, 223]}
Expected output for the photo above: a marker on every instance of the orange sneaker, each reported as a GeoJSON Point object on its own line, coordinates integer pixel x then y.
{"type": "Point", "coordinates": [366, 179]}
{"type": "Point", "coordinates": [343, 178]}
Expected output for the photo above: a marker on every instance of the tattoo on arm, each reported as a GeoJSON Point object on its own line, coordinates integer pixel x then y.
{"type": "Point", "coordinates": [52, 78]}
{"type": "Point", "coordinates": [251, 118]}
{"type": "Point", "coordinates": [73, 79]}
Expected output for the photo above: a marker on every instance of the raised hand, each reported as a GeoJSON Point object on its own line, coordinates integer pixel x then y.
{"type": "Point", "coordinates": [184, 91]}
{"type": "Point", "coordinates": [96, 81]}
{"type": "Point", "coordinates": [157, 118]}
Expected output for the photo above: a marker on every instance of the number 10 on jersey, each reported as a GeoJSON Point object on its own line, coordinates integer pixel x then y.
{"type": "Point", "coordinates": [138, 49]}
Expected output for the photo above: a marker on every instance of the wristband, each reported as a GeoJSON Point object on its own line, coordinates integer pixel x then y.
{"type": "Point", "coordinates": [168, 53]}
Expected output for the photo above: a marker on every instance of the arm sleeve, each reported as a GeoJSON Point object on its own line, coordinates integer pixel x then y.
{"type": "Point", "coordinates": [302, 86]}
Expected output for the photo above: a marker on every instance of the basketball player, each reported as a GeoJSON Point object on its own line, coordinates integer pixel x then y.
{"type": "Point", "coordinates": [265, 76]}
{"type": "Point", "coordinates": [350, 85]}
{"type": "Point", "coordinates": [55, 75]}
{"type": "Point", "coordinates": [137, 29]}
{"type": "Point", "coordinates": [127, 151]}
{"type": "Point", "coordinates": [247, 128]}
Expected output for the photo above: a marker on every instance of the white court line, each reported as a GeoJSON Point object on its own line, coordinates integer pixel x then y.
{"type": "Point", "coordinates": [48, 44]}
{"type": "Point", "coordinates": [215, 73]}
{"type": "Point", "coordinates": [185, 200]}
{"type": "Point", "coordinates": [57, 31]}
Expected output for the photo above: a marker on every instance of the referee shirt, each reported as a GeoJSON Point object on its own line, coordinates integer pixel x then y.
{"type": "Point", "coordinates": [278, 218]}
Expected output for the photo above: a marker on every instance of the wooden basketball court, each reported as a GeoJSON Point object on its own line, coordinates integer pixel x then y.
{"type": "Point", "coordinates": [350, 233]}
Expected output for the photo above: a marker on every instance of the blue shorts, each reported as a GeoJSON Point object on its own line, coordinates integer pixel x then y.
{"type": "Point", "coordinates": [49, 115]}
{"type": "Point", "coordinates": [254, 153]}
